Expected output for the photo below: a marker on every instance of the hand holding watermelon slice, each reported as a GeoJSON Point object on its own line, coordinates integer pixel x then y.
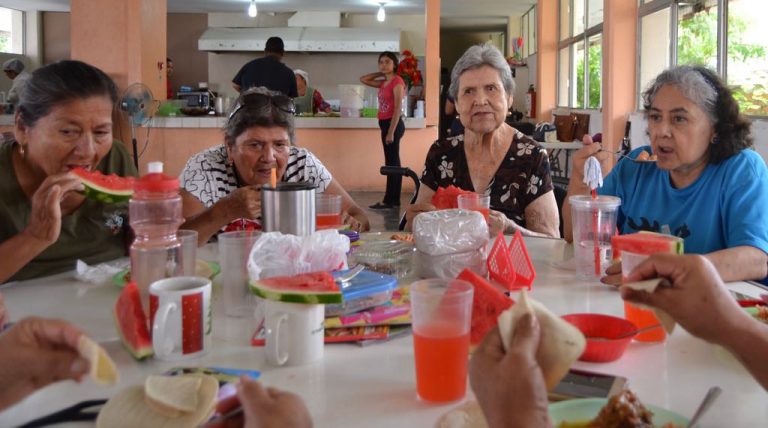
{"type": "Point", "coordinates": [109, 189]}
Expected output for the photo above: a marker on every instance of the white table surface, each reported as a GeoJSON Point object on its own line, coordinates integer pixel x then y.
{"type": "Point", "coordinates": [375, 385]}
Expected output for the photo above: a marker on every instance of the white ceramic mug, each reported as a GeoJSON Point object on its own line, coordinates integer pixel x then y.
{"type": "Point", "coordinates": [180, 314]}
{"type": "Point", "coordinates": [294, 333]}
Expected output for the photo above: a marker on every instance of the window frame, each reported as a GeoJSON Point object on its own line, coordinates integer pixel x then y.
{"type": "Point", "coordinates": [22, 32]}
{"type": "Point", "coordinates": [570, 43]}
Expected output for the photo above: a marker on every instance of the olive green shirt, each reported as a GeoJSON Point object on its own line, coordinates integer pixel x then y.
{"type": "Point", "coordinates": [95, 232]}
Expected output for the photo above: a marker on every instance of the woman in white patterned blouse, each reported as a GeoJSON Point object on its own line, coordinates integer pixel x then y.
{"type": "Point", "coordinates": [221, 185]}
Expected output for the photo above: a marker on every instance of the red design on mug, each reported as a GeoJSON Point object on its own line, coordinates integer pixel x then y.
{"type": "Point", "coordinates": [192, 323]}
{"type": "Point", "coordinates": [154, 303]}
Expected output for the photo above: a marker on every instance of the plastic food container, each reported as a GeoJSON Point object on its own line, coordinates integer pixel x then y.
{"type": "Point", "coordinates": [389, 257]}
{"type": "Point", "coordinates": [366, 290]}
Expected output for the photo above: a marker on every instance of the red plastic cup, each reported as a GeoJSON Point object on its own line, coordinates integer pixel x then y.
{"type": "Point", "coordinates": [327, 211]}
{"type": "Point", "coordinates": [604, 336]}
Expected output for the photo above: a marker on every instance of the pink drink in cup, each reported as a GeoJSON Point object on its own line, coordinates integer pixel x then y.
{"type": "Point", "coordinates": [441, 311]}
{"type": "Point", "coordinates": [327, 211]}
{"type": "Point", "coordinates": [476, 202]}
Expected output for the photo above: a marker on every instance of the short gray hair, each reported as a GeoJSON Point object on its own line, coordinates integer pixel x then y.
{"type": "Point", "coordinates": [476, 57]}
{"type": "Point", "coordinates": [245, 116]}
{"type": "Point", "coordinates": [691, 82]}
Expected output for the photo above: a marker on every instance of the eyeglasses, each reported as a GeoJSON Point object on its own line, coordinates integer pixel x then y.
{"type": "Point", "coordinates": [259, 101]}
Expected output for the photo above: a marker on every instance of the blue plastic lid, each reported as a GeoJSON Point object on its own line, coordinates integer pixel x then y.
{"type": "Point", "coordinates": [366, 283]}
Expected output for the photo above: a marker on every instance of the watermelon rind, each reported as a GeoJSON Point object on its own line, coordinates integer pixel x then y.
{"type": "Point", "coordinates": [128, 313]}
{"type": "Point", "coordinates": [301, 293]}
{"type": "Point", "coordinates": [106, 196]}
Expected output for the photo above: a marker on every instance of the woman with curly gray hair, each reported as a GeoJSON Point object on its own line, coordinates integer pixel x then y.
{"type": "Point", "coordinates": [221, 186]}
{"type": "Point", "coordinates": [490, 157]}
{"type": "Point", "coordinates": [705, 186]}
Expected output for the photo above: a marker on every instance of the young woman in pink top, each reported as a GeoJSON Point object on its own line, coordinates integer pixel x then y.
{"type": "Point", "coordinates": [391, 91]}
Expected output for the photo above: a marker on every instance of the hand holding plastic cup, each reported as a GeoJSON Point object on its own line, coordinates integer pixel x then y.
{"type": "Point", "coordinates": [640, 317]}
{"type": "Point", "coordinates": [476, 202]}
{"type": "Point", "coordinates": [327, 211]}
{"type": "Point", "coordinates": [442, 312]}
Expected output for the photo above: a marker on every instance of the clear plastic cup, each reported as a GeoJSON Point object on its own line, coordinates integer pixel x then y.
{"type": "Point", "coordinates": [594, 223]}
{"type": "Point", "coordinates": [327, 211]}
{"type": "Point", "coordinates": [234, 249]}
{"type": "Point", "coordinates": [442, 311]}
{"type": "Point", "coordinates": [476, 202]}
{"type": "Point", "coordinates": [188, 240]}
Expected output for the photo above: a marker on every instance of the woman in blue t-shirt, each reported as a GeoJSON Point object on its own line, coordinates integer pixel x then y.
{"type": "Point", "coordinates": [706, 185]}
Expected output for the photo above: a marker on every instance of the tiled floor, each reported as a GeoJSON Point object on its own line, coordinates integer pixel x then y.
{"type": "Point", "coordinates": [381, 219]}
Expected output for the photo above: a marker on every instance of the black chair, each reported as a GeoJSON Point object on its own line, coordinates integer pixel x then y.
{"type": "Point", "coordinates": [403, 172]}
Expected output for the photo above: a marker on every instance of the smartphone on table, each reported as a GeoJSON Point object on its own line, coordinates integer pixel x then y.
{"type": "Point", "coordinates": [586, 384]}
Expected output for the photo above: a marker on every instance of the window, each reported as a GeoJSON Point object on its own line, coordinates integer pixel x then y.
{"type": "Point", "coordinates": [528, 30]}
{"type": "Point", "coordinates": [696, 34]}
{"type": "Point", "coordinates": [580, 60]}
{"type": "Point", "coordinates": [11, 31]}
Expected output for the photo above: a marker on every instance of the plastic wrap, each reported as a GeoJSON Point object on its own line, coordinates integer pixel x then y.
{"type": "Point", "coordinates": [450, 265]}
{"type": "Point", "coordinates": [276, 254]}
{"type": "Point", "coordinates": [452, 231]}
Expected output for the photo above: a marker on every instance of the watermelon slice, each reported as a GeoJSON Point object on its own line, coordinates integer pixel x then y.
{"type": "Point", "coordinates": [109, 189]}
{"type": "Point", "coordinates": [447, 197]}
{"type": "Point", "coordinates": [646, 243]}
{"type": "Point", "coordinates": [131, 322]}
{"type": "Point", "coordinates": [487, 303]}
{"type": "Point", "coordinates": [310, 288]}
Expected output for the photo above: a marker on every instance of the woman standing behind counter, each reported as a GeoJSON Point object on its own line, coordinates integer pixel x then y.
{"type": "Point", "coordinates": [309, 100]}
{"type": "Point", "coordinates": [391, 91]}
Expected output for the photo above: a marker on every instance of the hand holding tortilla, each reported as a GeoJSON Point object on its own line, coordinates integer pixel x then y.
{"type": "Point", "coordinates": [36, 352]}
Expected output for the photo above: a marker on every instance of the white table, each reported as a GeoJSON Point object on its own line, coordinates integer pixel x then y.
{"type": "Point", "coordinates": [374, 385]}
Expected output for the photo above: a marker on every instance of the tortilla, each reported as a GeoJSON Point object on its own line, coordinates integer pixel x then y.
{"type": "Point", "coordinates": [129, 409]}
{"type": "Point", "coordinates": [650, 286]}
{"type": "Point", "coordinates": [468, 415]}
{"type": "Point", "coordinates": [172, 395]}
{"type": "Point", "coordinates": [103, 369]}
{"type": "Point", "coordinates": [561, 343]}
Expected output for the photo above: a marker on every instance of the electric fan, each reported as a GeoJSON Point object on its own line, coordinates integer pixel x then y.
{"type": "Point", "coordinates": [137, 103]}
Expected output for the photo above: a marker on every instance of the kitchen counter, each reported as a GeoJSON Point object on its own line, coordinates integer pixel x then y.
{"type": "Point", "coordinates": [301, 122]}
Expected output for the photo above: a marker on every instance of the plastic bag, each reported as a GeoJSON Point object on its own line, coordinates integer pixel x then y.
{"type": "Point", "coordinates": [449, 231]}
{"type": "Point", "coordinates": [451, 265]}
{"type": "Point", "coordinates": [277, 254]}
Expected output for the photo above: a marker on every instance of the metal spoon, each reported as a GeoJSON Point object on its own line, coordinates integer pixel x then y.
{"type": "Point", "coordinates": [345, 280]}
{"type": "Point", "coordinates": [706, 403]}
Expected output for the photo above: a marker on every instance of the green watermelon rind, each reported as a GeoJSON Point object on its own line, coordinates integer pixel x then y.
{"type": "Point", "coordinates": [101, 193]}
{"type": "Point", "coordinates": [644, 242]}
{"type": "Point", "coordinates": [129, 296]}
{"type": "Point", "coordinates": [306, 297]}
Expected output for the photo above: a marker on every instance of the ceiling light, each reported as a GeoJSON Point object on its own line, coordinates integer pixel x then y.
{"type": "Point", "coordinates": [252, 12]}
{"type": "Point", "coordinates": [381, 15]}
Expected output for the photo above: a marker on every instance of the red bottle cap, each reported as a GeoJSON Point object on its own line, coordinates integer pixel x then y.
{"type": "Point", "coordinates": [155, 181]}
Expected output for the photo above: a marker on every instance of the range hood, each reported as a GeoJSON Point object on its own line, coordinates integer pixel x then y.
{"type": "Point", "coordinates": [301, 39]}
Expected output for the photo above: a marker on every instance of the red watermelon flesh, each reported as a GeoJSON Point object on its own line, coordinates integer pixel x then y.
{"type": "Point", "coordinates": [132, 323]}
{"type": "Point", "coordinates": [105, 188]}
{"type": "Point", "coordinates": [646, 243]}
{"type": "Point", "coordinates": [447, 197]}
{"type": "Point", "coordinates": [487, 303]}
{"type": "Point", "coordinates": [309, 288]}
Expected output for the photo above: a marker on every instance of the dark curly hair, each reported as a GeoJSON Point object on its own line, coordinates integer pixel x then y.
{"type": "Point", "coordinates": [704, 88]}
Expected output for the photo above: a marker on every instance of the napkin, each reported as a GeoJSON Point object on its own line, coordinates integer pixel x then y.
{"type": "Point", "coordinates": [98, 274]}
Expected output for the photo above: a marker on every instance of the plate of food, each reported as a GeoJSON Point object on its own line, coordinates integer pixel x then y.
{"type": "Point", "coordinates": [202, 268]}
{"type": "Point", "coordinates": [758, 312]}
{"type": "Point", "coordinates": [624, 409]}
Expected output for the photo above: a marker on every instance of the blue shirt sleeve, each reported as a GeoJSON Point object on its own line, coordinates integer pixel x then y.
{"type": "Point", "coordinates": [745, 220]}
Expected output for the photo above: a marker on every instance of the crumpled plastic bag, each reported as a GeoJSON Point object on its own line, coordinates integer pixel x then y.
{"type": "Point", "coordinates": [450, 265]}
{"type": "Point", "coordinates": [98, 274]}
{"type": "Point", "coordinates": [278, 254]}
{"type": "Point", "coordinates": [449, 231]}
{"type": "Point", "coordinates": [446, 198]}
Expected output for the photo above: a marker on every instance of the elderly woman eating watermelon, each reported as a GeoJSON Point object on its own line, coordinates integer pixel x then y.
{"type": "Point", "coordinates": [491, 157]}
{"type": "Point", "coordinates": [707, 186]}
{"type": "Point", "coordinates": [63, 122]}
{"type": "Point", "coordinates": [221, 185]}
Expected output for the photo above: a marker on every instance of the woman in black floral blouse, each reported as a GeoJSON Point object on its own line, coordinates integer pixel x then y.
{"type": "Point", "coordinates": [491, 157]}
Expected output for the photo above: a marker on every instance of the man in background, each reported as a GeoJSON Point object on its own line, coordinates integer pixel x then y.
{"type": "Point", "coordinates": [268, 71]}
{"type": "Point", "coordinates": [14, 70]}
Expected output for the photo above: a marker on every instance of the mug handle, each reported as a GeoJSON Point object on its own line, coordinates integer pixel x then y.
{"type": "Point", "coordinates": [159, 342]}
{"type": "Point", "coordinates": [272, 337]}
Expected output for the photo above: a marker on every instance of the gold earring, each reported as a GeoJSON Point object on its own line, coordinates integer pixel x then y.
{"type": "Point", "coordinates": [21, 149]}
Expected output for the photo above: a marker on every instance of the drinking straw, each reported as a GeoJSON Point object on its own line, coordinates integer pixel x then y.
{"type": "Point", "coordinates": [593, 177]}
{"type": "Point", "coordinates": [273, 178]}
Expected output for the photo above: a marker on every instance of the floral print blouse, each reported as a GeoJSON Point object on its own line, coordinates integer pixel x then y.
{"type": "Point", "coordinates": [522, 177]}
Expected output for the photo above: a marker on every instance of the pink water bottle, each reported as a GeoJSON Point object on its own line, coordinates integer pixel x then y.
{"type": "Point", "coordinates": [155, 216]}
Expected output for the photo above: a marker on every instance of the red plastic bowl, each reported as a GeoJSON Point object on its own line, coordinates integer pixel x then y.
{"type": "Point", "coordinates": [603, 328]}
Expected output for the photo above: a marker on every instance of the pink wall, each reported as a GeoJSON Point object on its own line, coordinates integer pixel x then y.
{"type": "Point", "coordinates": [546, 57]}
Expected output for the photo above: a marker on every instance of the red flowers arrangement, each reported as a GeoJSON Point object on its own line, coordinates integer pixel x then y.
{"type": "Point", "coordinates": [408, 69]}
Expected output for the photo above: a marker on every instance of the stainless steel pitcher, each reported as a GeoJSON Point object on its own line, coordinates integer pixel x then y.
{"type": "Point", "coordinates": [288, 208]}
